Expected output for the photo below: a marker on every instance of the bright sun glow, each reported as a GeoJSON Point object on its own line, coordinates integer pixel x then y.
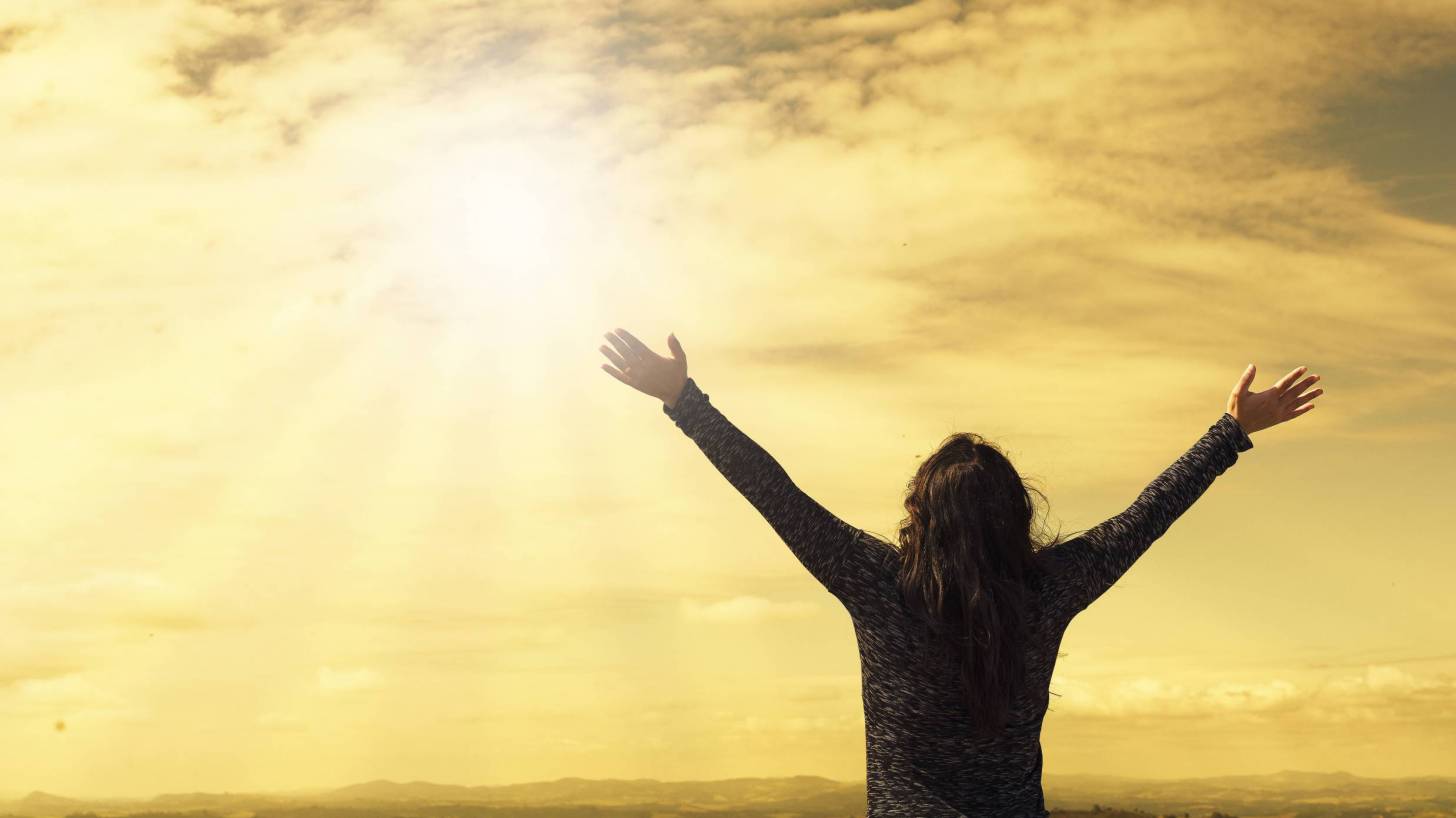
{"type": "Point", "coordinates": [507, 206]}
{"type": "Point", "coordinates": [502, 223]}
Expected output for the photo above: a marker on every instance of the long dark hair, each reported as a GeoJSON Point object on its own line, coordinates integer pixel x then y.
{"type": "Point", "coordinates": [968, 565]}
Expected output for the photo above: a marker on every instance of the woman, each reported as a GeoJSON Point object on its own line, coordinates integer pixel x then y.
{"type": "Point", "coordinates": [958, 627]}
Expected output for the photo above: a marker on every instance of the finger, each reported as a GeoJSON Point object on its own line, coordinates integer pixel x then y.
{"type": "Point", "coordinates": [641, 348]}
{"type": "Point", "coordinates": [628, 353]}
{"type": "Point", "coordinates": [1245, 379]}
{"type": "Point", "coordinates": [1293, 391]}
{"type": "Point", "coordinates": [675, 347]}
{"type": "Point", "coordinates": [1283, 383]}
{"type": "Point", "coordinates": [1307, 398]}
{"type": "Point", "coordinates": [1301, 410]}
{"type": "Point", "coordinates": [615, 374]}
{"type": "Point", "coordinates": [613, 357]}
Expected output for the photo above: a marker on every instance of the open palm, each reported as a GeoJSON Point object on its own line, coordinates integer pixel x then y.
{"type": "Point", "coordinates": [1278, 403]}
{"type": "Point", "coordinates": [644, 370]}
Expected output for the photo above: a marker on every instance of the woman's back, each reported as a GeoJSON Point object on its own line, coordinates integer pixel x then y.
{"type": "Point", "coordinates": [921, 753]}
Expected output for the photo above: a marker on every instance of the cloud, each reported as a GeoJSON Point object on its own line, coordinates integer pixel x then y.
{"type": "Point", "coordinates": [10, 36]}
{"type": "Point", "coordinates": [867, 358]}
{"type": "Point", "coordinates": [1380, 693]}
{"type": "Point", "coordinates": [1387, 694]}
{"type": "Point", "coordinates": [889, 21]}
{"type": "Point", "coordinates": [71, 689]}
{"type": "Point", "coordinates": [293, 14]}
{"type": "Point", "coordinates": [133, 601]}
{"type": "Point", "coordinates": [198, 67]}
{"type": "Point", "coordinates": [29, 668]}
{"type": "Point", "coordinates": [67, 633]}
{"type": "Point", "coordinates": [745, 610]}
{"type": "Point", "coordinates": [74, 696]}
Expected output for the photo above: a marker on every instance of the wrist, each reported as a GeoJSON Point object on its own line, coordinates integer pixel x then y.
{"type": "Point", "coordinates": [671, 400]}
{"type": "Point", "coordinates": [1245, 428]}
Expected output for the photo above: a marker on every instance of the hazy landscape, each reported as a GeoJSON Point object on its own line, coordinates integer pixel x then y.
{"type": "Point", "coordinates": [1288, 794]}
{"type": "Point", "coordinates": [312, 476]}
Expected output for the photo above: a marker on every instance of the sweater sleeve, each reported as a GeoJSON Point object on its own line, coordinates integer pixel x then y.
{"type": "Point", "coordinates": [822, 542]}
{"type": "Point", "coordinates": [1102, 555]}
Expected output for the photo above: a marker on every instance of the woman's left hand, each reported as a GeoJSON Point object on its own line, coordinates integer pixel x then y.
{"type": "Point", "coordinates": [645, 370]}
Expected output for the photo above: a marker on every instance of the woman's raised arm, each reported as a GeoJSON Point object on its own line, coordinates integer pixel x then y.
{"type": "Point", "coordinates": [823, 543]}
{"type": "Point", "coordinates": [1099, 557]}
{"type": "Point", "coordinates": [1102, 555]}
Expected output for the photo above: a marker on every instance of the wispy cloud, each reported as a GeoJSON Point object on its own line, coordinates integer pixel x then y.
{"type": "Point", "coordinates": [745, 609]}
{"type": "Point", "coordinates": [1380, 694]}
{"type": "Point", "coordinates": [75, 698]}
{"type": "Point", "coordinates": [123, 600]}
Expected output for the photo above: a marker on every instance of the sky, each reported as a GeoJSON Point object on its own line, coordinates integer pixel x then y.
{"type": "Point", "coordinates": [313, 475]}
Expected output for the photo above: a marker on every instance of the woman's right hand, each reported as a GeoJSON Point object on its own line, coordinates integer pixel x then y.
{"type": "Point", "coordinates": [1278, 403]}
{"type": "Point", "coordinates": [645, 370]}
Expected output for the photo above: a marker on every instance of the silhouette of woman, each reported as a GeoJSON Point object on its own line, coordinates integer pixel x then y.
{"type": "Point", "coordinates": [958, 627]}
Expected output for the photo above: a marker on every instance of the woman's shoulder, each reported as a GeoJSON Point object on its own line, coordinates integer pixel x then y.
{"type": "Point", "coordinates": [881, 550]}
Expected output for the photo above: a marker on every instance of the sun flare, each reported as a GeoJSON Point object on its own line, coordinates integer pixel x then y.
{"type": "Point", "coordinates": [502, 224]}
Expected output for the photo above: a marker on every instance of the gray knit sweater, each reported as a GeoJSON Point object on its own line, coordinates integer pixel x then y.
{"type": "Point", "coordinates": [921, 759]}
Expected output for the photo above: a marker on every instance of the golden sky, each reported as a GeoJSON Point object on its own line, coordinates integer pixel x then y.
{"type": "Point", "coordinates": [313, 476]}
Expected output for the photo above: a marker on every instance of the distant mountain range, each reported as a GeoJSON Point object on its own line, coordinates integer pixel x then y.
{"type": "Point", "coordinates": [803, 790]}
{"type": "Point", "coordinates": [1310, 793]}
